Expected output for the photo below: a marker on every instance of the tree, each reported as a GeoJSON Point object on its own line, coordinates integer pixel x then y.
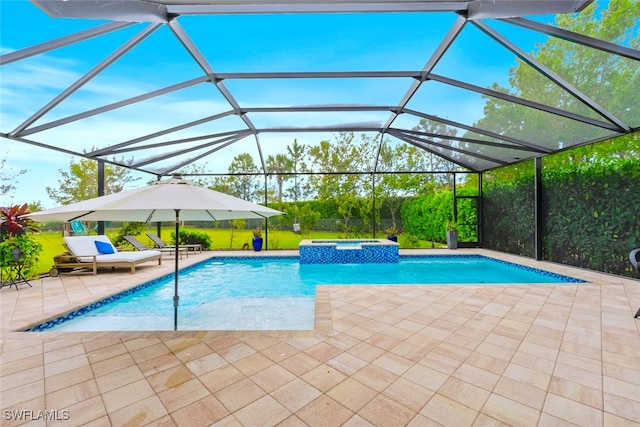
{"type": "Point", "coordinates": [80, 182]}
{"type": "Point", "coordinates": [393, 188]}
{"type": "Point", "coordinates": [348, 190]}
{"type": "Point", "coordinates": [280, 165]}
{"type": "Point", "coordinates": [197, 175]}
{"type": "Point", "coordinates": [438, 132]}
{"type": "Point", "coordinates": [298, 155]}
{"type": "Point", "coordinates": [241, 182]}
{"type": "Point", "coordinates": [610, 80]}
{"type": "Point", "coordinates": [7, 178]}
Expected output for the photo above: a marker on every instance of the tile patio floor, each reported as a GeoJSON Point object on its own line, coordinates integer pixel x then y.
{"type": "Point", "coordinates": [521, 355]}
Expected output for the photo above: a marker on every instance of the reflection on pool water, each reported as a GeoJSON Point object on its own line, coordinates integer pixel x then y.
{"type": "Point", "coordinates": [275, 293]}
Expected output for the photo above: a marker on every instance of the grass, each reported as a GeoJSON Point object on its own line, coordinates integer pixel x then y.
{"type": "Point", "coordinates": [51, 241]}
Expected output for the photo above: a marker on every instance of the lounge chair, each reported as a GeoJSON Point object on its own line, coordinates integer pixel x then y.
{"type": "Point", "coordinates": [138, 245]}
{"type": "Point", "coordinates": [97, 251]}
{"type": "Point", "coordinates": [160, 244]}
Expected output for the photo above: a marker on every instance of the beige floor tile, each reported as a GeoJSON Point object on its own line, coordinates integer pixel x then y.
{"type": "Point", "coordinates": [71, 395]}
{"type": "Point", "coordinates": [65, 365]}
{"type": "Point", "coordinates": [296, 394]}
{"type": "Point", "coordinates": [323, 377]}
{"type": "Point", "coordinates": [324, 412]}
{"type": "Point", "coordinates": [464, 393]}
{"type": "Point", "coordinates": [182, 395]}
{"type": "Point", "coordinates": [263, 412]}
{"type": "Point", "coordinates": [228, 421]}
{"type": "Point", "coordinates": [375, 377]}
{"type": "Point", "coordinates": [426, 377]}
{"type": "Point", "coordinates": [440, 363]}
{"type": "Point", "coordinates": [63, 353]}
{"type": "Point", "coordinates": [105, 353]}
{"type": "Point", "coordinates": [408, 393]}
{"type": "Point", "coordinates": [622, 406]}
{"type": "Point", "coordinates": [485, 421]}
{"type": "Point", "coordinates": [205, 412]}
{"type": "Point", "coordinates": [206, 363]}
{"type": "Point", "coordinates": [367, 351]}
{"type": "Point", "coordinates": [29, 375]}
{"type": "Point", "coordinates": [357, 421]}
{"type": "Point", "coordinates": [473, 375]}
{"type": "Point", "coordinates": [577, 392]}
{"type": "Point", "coordinates": [141, 412]}
{"type": "Point", "coordinates": [158, 364]}
{"type": "Point", "coordinates": [220, 378]}
{"type": "Point", "coordinates": [323, 351]}
{"type": "Point", "coordinates": [253, 363]}
{"type": "Point", "coordinates": [572, 411]}
{"type": "Point", "coordinates": [272, 378]}
{"type": "Point", "coordinates": [119, 378]}
{"type": "Point", "coordinates": [20, 365]}
{"type": "Point", "coordinates": [107, 365]}
{"type": "Point", "coordinates": [445, 411]}
{"type": "Point", "coordinates": [239, 394]}
{"type": "Point", "coordinates": [510, 412]}
{"type": "Point", "coordinates": [126, 395]}
{"type": "Point", "coordinates": [277, 351]}
{"type": "Point", "coordinates": [579, 375]}
{"type": "Point", "coordinates": [347, 363]}
{"type": "Point", "coordinates": [528, 376]}
{"type": "Point", "coordinates": [149, 353]}
{"type": "Point", "coordinates": [521, 392]}
{"type": "Point", "coordinates": [22, 393]}
{"type": "Point", "coordinates": [383, 410]}
{"type": "Point", "coordinates": [192, 352]}
{"type": "Point", "coordinates": [299, 363]}
{"type": "Point", "coordinates": [236, 352]}
{"type": "Point", "coordinates": [611, 420]}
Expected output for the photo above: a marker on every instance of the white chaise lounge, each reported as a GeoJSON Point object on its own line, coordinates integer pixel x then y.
{"type": "Point", "coordinates": [98, 251]}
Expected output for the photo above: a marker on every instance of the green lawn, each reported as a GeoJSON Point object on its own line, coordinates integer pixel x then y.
{"type": "Point", "coordinates": [221, 240]}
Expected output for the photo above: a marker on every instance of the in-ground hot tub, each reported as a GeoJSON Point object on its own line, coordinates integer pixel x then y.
{"type": "Point", "coordinates": [348, 251]}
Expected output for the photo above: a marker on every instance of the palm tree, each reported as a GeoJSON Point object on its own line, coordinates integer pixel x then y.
{"type": "Point", "coordinates": [280, 165]}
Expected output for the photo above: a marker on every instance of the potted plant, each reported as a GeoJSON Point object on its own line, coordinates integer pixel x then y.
{"type": "Point", "coordinates": [16, 243]}
{"type": "Point", "coordinates": [257, 239]}
{"type": "Point", "coordinates": [392, 233]}
{"type": "Point", "coordinates": [452, 234]}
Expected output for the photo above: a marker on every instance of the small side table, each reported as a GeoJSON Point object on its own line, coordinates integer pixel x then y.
{"type": "Point", "coordinates": [15, 271]}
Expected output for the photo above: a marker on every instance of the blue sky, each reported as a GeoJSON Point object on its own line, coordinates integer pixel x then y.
{"type": "Point", "coordinates": [239, 43]}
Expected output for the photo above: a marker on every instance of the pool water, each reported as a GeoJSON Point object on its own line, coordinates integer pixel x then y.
{"type": "Point", "coordinates": [276, 293]}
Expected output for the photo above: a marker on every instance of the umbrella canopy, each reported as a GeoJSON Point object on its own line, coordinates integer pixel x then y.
{"type": "Point", "coordinates": [158, 202]}
{"type": "Point", "coordinates": [172, 199]}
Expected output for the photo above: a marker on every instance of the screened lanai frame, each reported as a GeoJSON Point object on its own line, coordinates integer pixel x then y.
{"type": "Point", "coordinates": [415, 92]}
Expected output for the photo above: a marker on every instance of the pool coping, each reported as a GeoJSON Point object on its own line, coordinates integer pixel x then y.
{"type": "Point", "coordinates": [18, 313]}
{"type": "Point", "coordinates": [320, 323]}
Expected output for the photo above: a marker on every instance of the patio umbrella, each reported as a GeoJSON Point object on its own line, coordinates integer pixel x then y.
{"type": "Point", "coordinates": [169, 200]}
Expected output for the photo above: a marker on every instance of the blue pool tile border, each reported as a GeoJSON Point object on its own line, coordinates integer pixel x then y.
{"type": "Point", "coordinates": [41, 327]}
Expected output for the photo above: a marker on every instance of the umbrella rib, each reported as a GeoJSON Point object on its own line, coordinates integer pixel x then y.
{"type": "Point", "coordinates": [80, 216]}
{"type": "Point", "coordinates": [150, 215]}
{"type": "Point", "coordinates": [211, 215]}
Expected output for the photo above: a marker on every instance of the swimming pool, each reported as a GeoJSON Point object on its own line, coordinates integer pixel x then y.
{"type": "Point", "coordinates": [274, 293]}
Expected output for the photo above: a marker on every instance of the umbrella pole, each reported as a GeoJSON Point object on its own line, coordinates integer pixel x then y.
{"type": "Point", "coordinates": [176, 298]}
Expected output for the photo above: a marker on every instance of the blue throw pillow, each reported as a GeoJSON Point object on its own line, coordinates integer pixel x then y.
{"type": "Point", "coordinates": [104, 247]}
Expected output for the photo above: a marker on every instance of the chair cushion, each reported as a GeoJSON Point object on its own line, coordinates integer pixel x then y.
{"type": "Point", "coordinates": [104, 247]}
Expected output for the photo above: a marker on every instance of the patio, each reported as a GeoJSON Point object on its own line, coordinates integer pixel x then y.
{"type": "Point", "coordinates": [384, 355]}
